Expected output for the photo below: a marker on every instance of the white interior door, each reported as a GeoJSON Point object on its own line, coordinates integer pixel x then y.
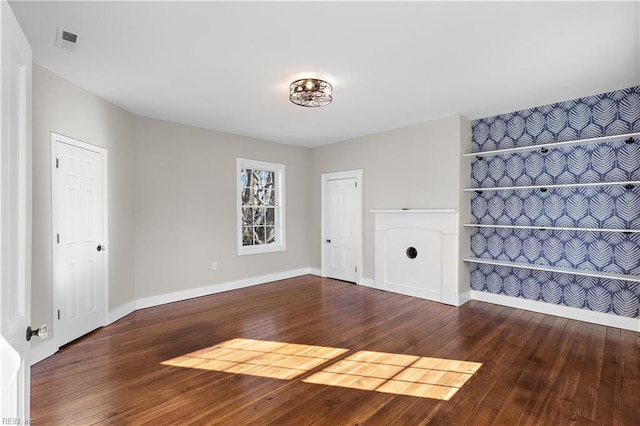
{"type": "Point", "coordinates": [15, 218]}
{"type": "Point", "coordinates": [79, 246]}
{"type": "Point", "coordinates": [342, 230]}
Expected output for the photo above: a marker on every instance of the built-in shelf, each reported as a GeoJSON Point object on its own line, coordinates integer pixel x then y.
{"type": "Point", "coordinates": [409, 210]}
{"type": "Point", "coordinates": [582, 272]}
{"type": "Point", "coordinates": [632, 184]}
{"type": "Point", "coordinates": [552, 145]}
{"type": "Point", "coordinates": [553, 228]}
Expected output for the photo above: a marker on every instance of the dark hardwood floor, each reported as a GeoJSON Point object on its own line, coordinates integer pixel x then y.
{"type": "Point", "coordinates": [536, 369]}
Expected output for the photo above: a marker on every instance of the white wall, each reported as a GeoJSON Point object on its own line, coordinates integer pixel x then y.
{"type": "Point", "coordinates": [172, 193]}
{"type": "Point", "coordinates": [411, 167]}
{"type": "Point", "coordinates": [171, 196]}
{"type": "Point", "coordinates": [62, 107]}
{"type": "Point", "coordinates": [186, 208]}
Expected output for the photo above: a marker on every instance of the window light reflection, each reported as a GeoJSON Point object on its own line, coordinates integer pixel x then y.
{"type": "Point", "coordinates": [262, 358]}
{"type": "Point", "coordinates": [398, 374]}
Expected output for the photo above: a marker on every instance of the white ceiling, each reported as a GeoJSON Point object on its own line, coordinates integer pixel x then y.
{"type": "Point", "coordinates": [227, 65]}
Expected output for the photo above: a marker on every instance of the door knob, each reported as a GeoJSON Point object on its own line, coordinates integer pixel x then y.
{"type": "Point", "coordinates": [41, 332]}
{"type": "Point", "coordinates": [100, 247]}
{"type": "Point", "coordinates": [328, 241]}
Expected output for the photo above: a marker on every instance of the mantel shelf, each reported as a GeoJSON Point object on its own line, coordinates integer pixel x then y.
{"type": "Point", "coordinates": [564, 185]}
{"type": "Point", "coordinates": [582, 272]}
{"type": "Point", "coordinates": [553, 228]}
{"type": "Point", "coordinates": [552, 145]}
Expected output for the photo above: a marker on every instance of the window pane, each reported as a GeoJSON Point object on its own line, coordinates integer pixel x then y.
{"type": "Point", "coordinates": [258, 236]}
{"type": "Point", "coordinates": [247, 236]}
{"type": "Point", "coordinates": [247, 216]}
{"type": "Point", "coordinates": [244, 177]}
{"type": "Point", "coordinates": [254, 178]}
{"type": "Point", "coordinates": [259, 216]}
{"type": "Point", "coordinates": [246, 196]}
{"type": "Point", "coordinates": [270, 216]}
{"type": "Point", "coordinates": [265, 178]}
{"type": "Point", "coordinates": [260, 196]}
{"type": "Point", "coordinates": [269, 198]}
{"type": "Point", "coordinates": [270, 180]}
{"type": "Point", "coordinates": [270, 234]}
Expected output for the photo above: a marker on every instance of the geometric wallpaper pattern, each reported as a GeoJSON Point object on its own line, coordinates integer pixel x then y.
{"type": "Point", "coordinates": [603, 162]}
{"type": "Point", "coordinates": [597, 294]}
{"type": "Point", "coordinates": [609, 207]}
{"type": "Point", "coordinates": [593, 251]}
{"type": "Point", "coordinates": [607, 114]}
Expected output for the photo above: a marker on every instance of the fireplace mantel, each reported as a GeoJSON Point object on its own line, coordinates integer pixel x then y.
{"type": "Point", "coordinates": [416, 253]}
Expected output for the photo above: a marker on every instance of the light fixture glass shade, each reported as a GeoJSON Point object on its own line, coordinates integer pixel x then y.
{"type": "Point", "coordinates": [310, 92]}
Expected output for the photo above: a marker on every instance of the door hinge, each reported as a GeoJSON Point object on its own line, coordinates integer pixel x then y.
{"type": "Point", "coordinates": [58, 238]}
{"type": "Point", "coordinates": [57, 163]}
{"type": "Point", "coordinates": [356, 184]}
{"type": "Point", "coordinates": [58, 313]}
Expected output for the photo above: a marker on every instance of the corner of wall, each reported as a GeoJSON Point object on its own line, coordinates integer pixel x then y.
{"type": "Point", "coordinates": [63, 107]}
{"type": "Point", "coordinates": [464, 209]}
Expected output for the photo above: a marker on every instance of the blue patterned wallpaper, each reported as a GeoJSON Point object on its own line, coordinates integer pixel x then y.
{"type": "Point", "coordinates": [609, 207]}
{"type": "Point", "coordinates": [607, 114]}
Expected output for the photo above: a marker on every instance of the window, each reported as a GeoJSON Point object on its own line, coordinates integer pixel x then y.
{"type": "Point", "coordinates": [260, 207]}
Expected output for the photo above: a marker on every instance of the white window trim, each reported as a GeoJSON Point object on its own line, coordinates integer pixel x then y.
{"type": "Point", "coordinates": [280, 223]}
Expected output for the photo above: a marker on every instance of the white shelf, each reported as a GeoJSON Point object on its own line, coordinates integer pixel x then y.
{"type": "Point", "coordinates": [552, 145]}
{"type": "Point", "coordinates": [558, 228]}
{"type": "Point", "coordinates": [564, 185]}
{"type": "Point", "coordinates": [413, 211]}
{"type": "Point", "coordinates": [610, 275]}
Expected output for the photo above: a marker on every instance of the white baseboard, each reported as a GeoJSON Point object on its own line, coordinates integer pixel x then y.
{"type": "Point", "coordinates": [177, 296]}
{"type": "Point", "coordinates": [315, 271]}
{"type": "Point", "coordinates": [447, 298]}
{"type": "Point", "coordinates": [464, 298]}
{"type": "Point", "coordinates": [600, 318]}
{"type": "Point", "coordinates": [120, 312]}
{"type": "Point", "coordinates": [453, 298]}
{"type": "Point", "coordinates": [48, 347]}
{"type": "Point", "coordinates": [368, 282]}
{"type": "Point", "coordinates": [42, 351]}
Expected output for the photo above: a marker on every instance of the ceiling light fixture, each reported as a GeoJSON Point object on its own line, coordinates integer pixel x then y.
{"type": "Point", "coordinates": [310, 92]}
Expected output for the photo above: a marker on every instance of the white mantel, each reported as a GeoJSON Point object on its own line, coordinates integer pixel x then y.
{"type": "Point", "coordinates": [416, 253]}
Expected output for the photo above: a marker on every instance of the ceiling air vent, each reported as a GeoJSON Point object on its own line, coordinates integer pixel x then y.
{"type": "Point", "coordinates": [66, 40]}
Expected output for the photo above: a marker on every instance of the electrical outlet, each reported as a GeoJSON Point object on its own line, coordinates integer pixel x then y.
{"type": "Point", "coordinates": [214, 266]}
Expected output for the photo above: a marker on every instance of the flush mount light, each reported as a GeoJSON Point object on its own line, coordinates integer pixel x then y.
{"type": "Point", "coordinates": [310, 92]}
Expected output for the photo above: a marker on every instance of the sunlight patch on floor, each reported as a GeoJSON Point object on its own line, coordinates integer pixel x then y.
{"type": "Point", "coordinates": [397, 374]}
{"type": "Point", "coordinates": [261, 358]}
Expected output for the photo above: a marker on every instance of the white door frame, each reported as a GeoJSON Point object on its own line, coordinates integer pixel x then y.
{"type": "Point", "coordinates": [56, 137]}
{"type": "Point", "coordinates": [324, 178]}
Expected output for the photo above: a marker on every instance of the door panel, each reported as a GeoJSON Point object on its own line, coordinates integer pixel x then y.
{"type": "Point", "coordinates": [340, 229]}
{"type": "Point", "coordinates": [15, 217]}
{"type": "Point", "coordinates": [80, 278]}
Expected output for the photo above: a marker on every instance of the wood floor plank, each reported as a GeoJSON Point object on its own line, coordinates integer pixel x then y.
{"type": "Point", "coordinates": [559, 402]}
{"type": "Point", "coordinates": [487, 351]}
{"type": "Point", "coordinates": [158, 365]}
{"type": "Point", "coordinates": [628, 409]}
{"type": "Point", "coordinates": [480, 329]}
